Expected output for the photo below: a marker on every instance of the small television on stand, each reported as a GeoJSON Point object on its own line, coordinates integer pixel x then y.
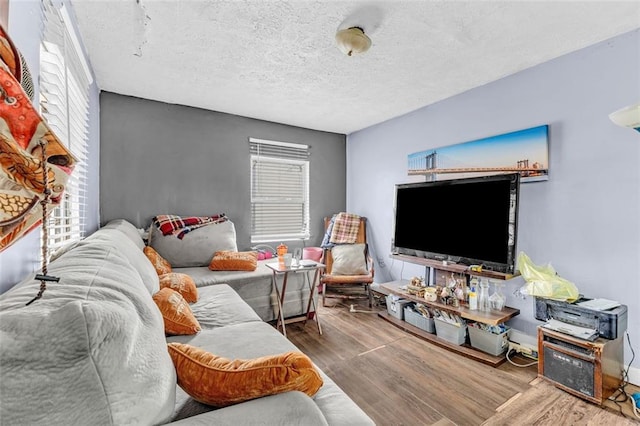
{"type": "Point", "coordinates": [469, 221]}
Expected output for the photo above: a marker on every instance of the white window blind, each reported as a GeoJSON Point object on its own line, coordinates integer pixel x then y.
{"type": "Point", "coordinates": [279, 191]}
{"type": "Point", "coordinates": [64, 104]}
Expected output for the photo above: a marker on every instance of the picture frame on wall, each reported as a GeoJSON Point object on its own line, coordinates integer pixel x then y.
{"type": "Point", "coordinates": [524, 151]}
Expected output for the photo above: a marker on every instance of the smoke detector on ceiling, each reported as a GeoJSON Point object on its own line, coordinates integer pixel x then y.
{"type": "Point", "coordinates": [352, 40]}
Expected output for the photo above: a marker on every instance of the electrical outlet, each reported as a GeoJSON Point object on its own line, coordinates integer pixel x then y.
{"type": "Point", "coordinates": [524, 349]}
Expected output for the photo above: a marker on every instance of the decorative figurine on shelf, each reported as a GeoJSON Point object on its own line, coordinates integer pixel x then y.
{"type": "Point", "coordinates": [417, 281]}
{"type": "Point", "coordinates": [416, 286]}
{"type": "Point", "coordinates": [451, 282]}
{"type": "Point", "coordinates": [430, 294]}
{"type": "Point", "coordinates": [460, 291]}
{"type": "Point", "coordinates": [445, 296]}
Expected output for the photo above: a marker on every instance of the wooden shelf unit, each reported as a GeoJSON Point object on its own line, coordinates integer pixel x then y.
{"type": "Point", "coordinates": [464, 350]}
{"type": "Point", "coordinates": [488, 317]}
{"type": "Point", "coordinates": [453, 267]}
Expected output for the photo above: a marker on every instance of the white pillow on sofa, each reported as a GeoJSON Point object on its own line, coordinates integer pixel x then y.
{"type": "Point", "coordinates": [197, 247]}
{"type": "Point", "coordinates": [349, 259]}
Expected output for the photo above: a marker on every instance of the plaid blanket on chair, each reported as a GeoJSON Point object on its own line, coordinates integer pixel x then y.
{"type": "Point", "coordinates": [345, 228]}
{"type": "Point", "coordinates": [179, 226]}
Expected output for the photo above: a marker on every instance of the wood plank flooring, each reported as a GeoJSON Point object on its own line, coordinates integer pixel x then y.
{"type": "Point", "coordinates": [545, 404]}
{"type": "Point", "coordinates": [399, 379]}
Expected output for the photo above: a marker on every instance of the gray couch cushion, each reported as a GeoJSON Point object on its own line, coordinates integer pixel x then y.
{"type": "Point", "coordinates": [256, 288]}
{"type": "Point", "coordinates": [91, 351]}
{"type": "Point", "coordinates": [197, 247]}
{"type": "Point", "coordinates": [219, 305]}
{"type": "Point", "coordinates": [63, 250]}
{"type": "Point", "coordinates": [251, 340]}
{"type": "Point", "coordinates": [131, 252]}
{"type": "Point", "coordinates": [286, 409]}
{"type": "Point", "coordinates": [128, 229]}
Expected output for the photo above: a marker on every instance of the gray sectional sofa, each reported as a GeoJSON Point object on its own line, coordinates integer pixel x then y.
{"type": "Point", "coordinates": [92, 350]}
{"type": "Point", "coordinates": [192, 254]}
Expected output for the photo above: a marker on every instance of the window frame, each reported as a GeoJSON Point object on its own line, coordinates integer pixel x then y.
{"type": "Point", "coordinates": [64, 87]}
{"type": "Point", "coordinates": [272, 155]}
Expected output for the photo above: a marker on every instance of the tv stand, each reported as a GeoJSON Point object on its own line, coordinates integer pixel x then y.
{"type": "Point", "coordinates": [458, 268]}
{"type": "Point", "coordinates": [492, 317]}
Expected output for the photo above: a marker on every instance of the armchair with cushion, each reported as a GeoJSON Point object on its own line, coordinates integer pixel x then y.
{"type": "Point", "coordinates": [349, 268]}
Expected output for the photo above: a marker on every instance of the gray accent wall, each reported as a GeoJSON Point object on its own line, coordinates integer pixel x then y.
{"type": "Point", "coordinates": [159, 158]}
{"type": "Point", "coordinates": [585, 220]}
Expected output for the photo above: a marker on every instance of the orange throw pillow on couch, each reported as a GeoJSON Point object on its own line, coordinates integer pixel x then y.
{"type": "Point", "coordinates": [176, 313]}
{"type": "Point", "coordinates": [234, 261]}
{"type": "Point", "coordinates": [182, 283]}
{"type": "Point", "coordinates": [218, 381]}
{"type": "Point", "coordinates": [158, 262]}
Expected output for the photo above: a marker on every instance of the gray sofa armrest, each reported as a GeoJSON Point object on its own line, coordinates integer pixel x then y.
{"type": "Point", "coordinates": [289, 408]}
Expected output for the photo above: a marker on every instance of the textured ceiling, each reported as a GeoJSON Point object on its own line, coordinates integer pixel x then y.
{"type": "Point", "coordinates": [278, 60]}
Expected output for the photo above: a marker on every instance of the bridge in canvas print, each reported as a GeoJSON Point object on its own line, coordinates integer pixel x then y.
{"type": "Point", "coordinates": [524, 151]}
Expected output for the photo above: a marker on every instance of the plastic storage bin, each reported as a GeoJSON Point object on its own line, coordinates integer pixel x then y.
{"type": "Point", "coordinates": [395, 306]}
{"type": "Point", "coordinates": [491, 343]}
{"type": "Point", "coordinates": [418, 320]}
{"type": "Point", "coordinates": [450, 332]}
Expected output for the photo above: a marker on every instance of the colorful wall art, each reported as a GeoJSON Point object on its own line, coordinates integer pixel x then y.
{"type": "Point", "coordinates": [524, 151]}
{"type": "Point", "coordinates": [34, 164]}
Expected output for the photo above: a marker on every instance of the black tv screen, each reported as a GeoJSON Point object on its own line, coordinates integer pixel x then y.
{"type": "Point", "coordinates": [470, 221]}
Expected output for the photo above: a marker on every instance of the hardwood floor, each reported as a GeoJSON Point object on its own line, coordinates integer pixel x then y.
{"type": "Point", "coordinates": [544, 404]}
{"type": "Point", "coordinates": [398, 379]}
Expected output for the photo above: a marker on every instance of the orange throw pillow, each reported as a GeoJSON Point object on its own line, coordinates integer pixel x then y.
{"type": "Point", "coordinates": [234, 261]}
{"type": "Point", "coordinates": [158, 262]}
{"type": "Point", "coordinates": [177, 315]}
{"type": "Point", "coordinates": [182, 283]}
{"type": "Point", "coordinates": [218, 381]}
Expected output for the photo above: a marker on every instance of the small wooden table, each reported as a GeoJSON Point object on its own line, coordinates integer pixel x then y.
{"type": "Point", "coordinates": [279, 270]}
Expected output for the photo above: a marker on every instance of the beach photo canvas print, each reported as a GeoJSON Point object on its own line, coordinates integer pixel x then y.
{"type": "Point", "coordinates": [523, 151]}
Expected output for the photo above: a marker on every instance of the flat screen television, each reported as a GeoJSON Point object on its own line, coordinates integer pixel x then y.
{"type": "Point", "coordinates": [472, 221]}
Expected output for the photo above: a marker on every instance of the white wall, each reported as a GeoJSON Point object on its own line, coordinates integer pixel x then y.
{"type": "Point", "coordinates": [585, 220]}
{"type": "Point", "coordinates": [25, 28]}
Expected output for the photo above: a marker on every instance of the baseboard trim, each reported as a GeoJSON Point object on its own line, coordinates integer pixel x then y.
{"type": "Point", "coordinates": [521, 337]}
{"type": "Point", "coordinates": [634, 376]}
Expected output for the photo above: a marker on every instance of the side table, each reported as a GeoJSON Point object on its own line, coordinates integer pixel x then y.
{"type": "Point", "coordinates": [281, 271]}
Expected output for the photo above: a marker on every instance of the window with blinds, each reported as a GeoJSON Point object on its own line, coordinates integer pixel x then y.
{"type": "Point", "coordinates": [279, 191]}
{"type": "Point", "coordinates": [64, 104]}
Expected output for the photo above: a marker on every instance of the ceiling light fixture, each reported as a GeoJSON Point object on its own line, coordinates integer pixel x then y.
{"type": "Point", "coordinates": [627, 117]}
{"type": "Point", "coordinates": [353, 40]}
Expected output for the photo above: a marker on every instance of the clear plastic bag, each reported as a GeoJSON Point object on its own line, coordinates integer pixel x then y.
{"type": "Point", "coordinates": [543, 281]}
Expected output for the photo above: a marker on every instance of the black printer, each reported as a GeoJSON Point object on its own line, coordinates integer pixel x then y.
{"type": "Point", "coordinates": [606, 323]}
